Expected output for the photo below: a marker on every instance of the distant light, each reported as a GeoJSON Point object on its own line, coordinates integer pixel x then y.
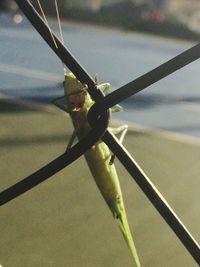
{"type": "Point", "coordinates": [17, 19]}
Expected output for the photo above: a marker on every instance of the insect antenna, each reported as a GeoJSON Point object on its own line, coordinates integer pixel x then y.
{"type": "Point", "coordinates": [49, 28]}
{"type": "Point", "coordinates": [59, 22]}
{"type": "Point", "coordinates": [47, 23]}
{"type": "Point", "coordinates": [60, 29]}
{"type": "Point", "coordinates": [96, 79]}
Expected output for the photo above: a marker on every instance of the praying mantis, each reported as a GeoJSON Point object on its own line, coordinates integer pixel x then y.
{"type": "Point", "coordinates": [77, 99]}
{"type": "Point", "coordinates": [99, 158]}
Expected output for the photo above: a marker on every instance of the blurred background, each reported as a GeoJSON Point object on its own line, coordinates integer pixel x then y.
{"type": "Point", "coordinates": [64, 221]}
{"type": "Point", "coordinates": [179, 18]}
{"type": "Point", "coordinates": [119, 40]}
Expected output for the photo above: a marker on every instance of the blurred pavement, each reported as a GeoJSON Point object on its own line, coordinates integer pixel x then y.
{"type": "Point", "coordinates": [29, 70]}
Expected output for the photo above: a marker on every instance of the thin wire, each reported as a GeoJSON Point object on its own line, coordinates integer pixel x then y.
{"type": "Point", "coordinates": [123, 155]}
{"type": "Point", "coordinates": [62, 52]}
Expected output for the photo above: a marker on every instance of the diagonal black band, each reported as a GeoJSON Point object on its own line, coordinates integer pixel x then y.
{"type": "Point", "coordinates": [116, 97]}
{"type": "Point", "coordinates": [154, 196]}
{"type": "Point", "coordinates": [61, 51]}
{"type": "Point", "coordinates": [134, 170]}
{"type": "Point", "coordinates": [57, 164]}
{"type": "Point", "coordinates": [146, 80]}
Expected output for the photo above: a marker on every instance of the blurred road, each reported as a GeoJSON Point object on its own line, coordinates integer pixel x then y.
{"type": "Point", "coordinates": [30, 70]}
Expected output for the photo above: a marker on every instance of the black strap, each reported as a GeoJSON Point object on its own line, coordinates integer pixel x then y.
{"type": "Point", "coordinates": [154, 196]}
{"type": "Point", "coordinates": [57, 164]}
{"type": "Point", "coordinates": [134, 170]}
{"type": "Point", "coordinates": [61, 51]}
{"type": "Point", "coordinates": [146, 80]}
{"type": "Point", "coordinates": [114, 98]}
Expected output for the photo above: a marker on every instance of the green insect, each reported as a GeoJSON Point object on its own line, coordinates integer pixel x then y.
{"type": "Point", "coordinates": [99, 158]}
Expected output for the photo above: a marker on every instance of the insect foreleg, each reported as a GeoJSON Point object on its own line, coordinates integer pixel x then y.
{"type": "Point", "coordinates": [66, 109]}
{"type": "Point", "coordinates": [104, 87]}
{"type": "Point", "coordinates": [71, 140]}
{"type": "Point", "coordinates": [122, 130]}
{"type": "Point", "coordinates": [59, 105]}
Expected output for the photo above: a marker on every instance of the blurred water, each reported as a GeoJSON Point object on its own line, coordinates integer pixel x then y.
{"type": "Point", "coordinates": [30, 70]}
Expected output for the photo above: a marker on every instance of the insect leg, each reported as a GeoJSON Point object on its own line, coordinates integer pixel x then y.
{"type": "Point", "coordinates": [57, 104]}
{"type": "Point", "coordinates": [64, 108]}
{"type": "Point", "coordinates": [122, 130]}
{"type": "Point", "coordinates": [71, 140]}
{"type": "Point", "coordinates": [104, 87]}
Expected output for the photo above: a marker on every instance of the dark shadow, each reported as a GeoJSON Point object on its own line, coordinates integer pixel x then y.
{"type": "Point", "coordinates": [19, 141]}
{"type": "Point", "coordinates": [184, 128]}
{"type": "Point", "coordinates": [27, 101]}
{"type": "Point", "coordinates": [147, 101]}
{"type": "Point", "coordinates": [45, 95]}
{"type": "Point", "coordinates": [195, 100]}
{"type": "Point", "coordinates": [9, 106]}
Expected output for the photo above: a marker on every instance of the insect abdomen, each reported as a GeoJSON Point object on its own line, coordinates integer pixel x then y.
{"type": "Point", "coordinates": [105, 176]}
